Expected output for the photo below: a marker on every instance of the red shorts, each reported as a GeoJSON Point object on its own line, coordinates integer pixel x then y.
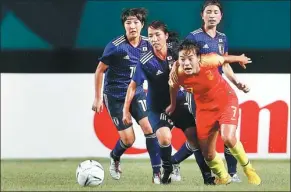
{"type": "Point", "coordinates": [225, 112]}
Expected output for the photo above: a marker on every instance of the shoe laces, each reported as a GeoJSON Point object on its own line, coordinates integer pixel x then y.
{"type": "Point", "coordinates": [157, 175]}
{"type": "Point", "coordinates": [176, 170]}
{"type": "Point", "coordinates": [117, 168]}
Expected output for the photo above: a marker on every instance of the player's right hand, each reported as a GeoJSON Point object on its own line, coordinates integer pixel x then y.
{"type": "Point", "coordinates": [243, 60]}
{"type": "Point", "coordinates": [126, 118]}
{"type": "Point", "coordinates": [97, 105]}
{"type": "Point", "coordinates": [243, 87]}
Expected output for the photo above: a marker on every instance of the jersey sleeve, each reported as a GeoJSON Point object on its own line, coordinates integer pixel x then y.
{"type": "Point", "coordinates": [109, 53]}
{"type": "Point", "coordinates": [211, 60]}
{"type": "Point", "coordinates": [138, 76]}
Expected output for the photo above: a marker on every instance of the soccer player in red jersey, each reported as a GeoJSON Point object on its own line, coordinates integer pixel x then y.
{"type": "Point", "coordinates": [216, 102]}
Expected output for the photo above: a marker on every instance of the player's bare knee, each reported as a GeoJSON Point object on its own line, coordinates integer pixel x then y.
{"type": "Point", "coordinates": [228, 140]}
{"type": "Point", "coordinates": [145, 126]}
{"type": "Point", "coordinates": [164, 136]}
{"type": "Point", "coordinates": [128, 141]}
{"type": "Point", "coordinates": [191, 136]}
{"type": "Point", "coordinates": [127, 136]}
{"type": "Point", "coordinates": [164, 132]}
{"type": "Point", "coordinates": [209, 156]}
{"type": "Point", "coordinates": [147, 129]}
{"type": "Point", "coordinates": [165, 141]}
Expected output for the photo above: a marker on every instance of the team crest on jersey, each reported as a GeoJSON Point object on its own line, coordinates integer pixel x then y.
{"type": "Point", "coordinates": [209, 75]}
{"type": "Point", "coordinates": [144, 49]}
{"type": "Point", "coordinates": [221, 48]}
{"type": "Point", "coordinates": [220, 40]}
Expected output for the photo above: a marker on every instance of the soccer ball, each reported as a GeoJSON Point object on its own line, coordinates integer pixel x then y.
{"type": "Point", "coordinates": [89, 173]}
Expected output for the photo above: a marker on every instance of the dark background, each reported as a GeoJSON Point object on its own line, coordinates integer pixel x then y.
{"type": "Point", "coordinates": [64, 36]}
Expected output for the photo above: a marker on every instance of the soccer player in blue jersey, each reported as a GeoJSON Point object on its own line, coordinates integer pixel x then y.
{"type": "Point", "coordinates": [211, 40]}
{"type": "Point", "coordinates": [154, 67]}
{"type": "Point", "coordinates": [118, 62]}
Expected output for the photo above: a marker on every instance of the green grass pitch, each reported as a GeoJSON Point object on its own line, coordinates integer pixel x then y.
{"type": "Point", "coordinates": [59, 175]}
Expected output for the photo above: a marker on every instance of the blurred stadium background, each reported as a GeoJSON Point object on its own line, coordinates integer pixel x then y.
{"type": "Point", "coordinates": [49, 51]}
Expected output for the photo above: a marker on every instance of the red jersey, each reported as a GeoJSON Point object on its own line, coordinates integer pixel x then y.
{"type": "Point", "coordinates": [215, 100]}
{"type": "Point", "coordinates": [208, 86]}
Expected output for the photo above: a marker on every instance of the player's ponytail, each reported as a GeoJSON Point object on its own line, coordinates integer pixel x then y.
{"type": "Point", "coordinates": [172, 35]}
{"type": "Point", "coordinates": [173, 44]}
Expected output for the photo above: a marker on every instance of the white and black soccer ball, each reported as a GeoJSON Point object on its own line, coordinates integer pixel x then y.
{"type": "Point", "coordinates": [89, 173]}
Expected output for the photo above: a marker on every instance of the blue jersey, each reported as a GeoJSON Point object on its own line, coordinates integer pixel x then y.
{"type": "Point", "coordinates": [156, 72]}
{"type": "Point", "coordinates": [207, 44]}
{"type": "Point", "coordinates": [122, 58]}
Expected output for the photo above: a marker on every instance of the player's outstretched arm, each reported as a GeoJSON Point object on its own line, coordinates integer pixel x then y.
{"type": "Point", "coordinates": [227, 70]}
{"type": "Point", "coordinates": [128, 99]}
{"type": "Point", "coordinates": [215, 60]}
{"type": "Point", "coordinates": [99, 74]}
{"type": "Point", "coordinates": [241, 59]}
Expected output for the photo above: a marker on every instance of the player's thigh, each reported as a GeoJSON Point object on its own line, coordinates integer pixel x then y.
{"type": "Point", "coordinates": [159, 119]}
{"type": "Point", "coordinates": [138, 107]}
{"type": "Point", "coordinates": [230, 113]}
{"type": "Point", "coordinates": [115, 108]}
{"type": "Point", "coordinates": [185, 121]}
{"type": "Point", "coordinates": [139, 112]}
{"type": "Point", "coordinates": [205, 123]}
{"type": "Point", "coordinates": [182, 118]}
{"type": "Point", "coordinates": [162, 125]}
{"type": "Point", "coordinates": [229, 120]}
{"type": "Point", "coordinates": [208, 145]}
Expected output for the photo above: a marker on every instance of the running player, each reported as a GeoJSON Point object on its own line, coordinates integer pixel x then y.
{"type": "Point", "coordinates": [119, 61]}
{"type": "Point", "coordinates": [155, 68]}
{"type": "Point", "coordinates": [211, 40]}
{"type": "Point", "coordinates": [216, 102]}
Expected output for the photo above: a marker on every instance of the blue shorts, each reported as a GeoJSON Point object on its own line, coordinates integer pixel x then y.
{"type": "Point", "coordinates": [138, 109]}
{"type": "Point", "coordinates": [181, 118]}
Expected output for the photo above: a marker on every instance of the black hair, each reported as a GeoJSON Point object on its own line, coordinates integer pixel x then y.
{"type": "Point", "coordinates": [212, 2]}
{"type": "Point", "coordinates": [189, 45]}
{"type": "Point", "coordinates": [139, 13]}
{"type": "Point", "coordinates": [173, 36]}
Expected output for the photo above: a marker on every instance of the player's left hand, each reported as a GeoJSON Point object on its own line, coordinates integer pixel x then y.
{"type": "Point", "coordinates": [243, 60]}
{"type": "Point", "coordinates": [243, 87]}
{"type": "Point", "coordinates": [170, 109]}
